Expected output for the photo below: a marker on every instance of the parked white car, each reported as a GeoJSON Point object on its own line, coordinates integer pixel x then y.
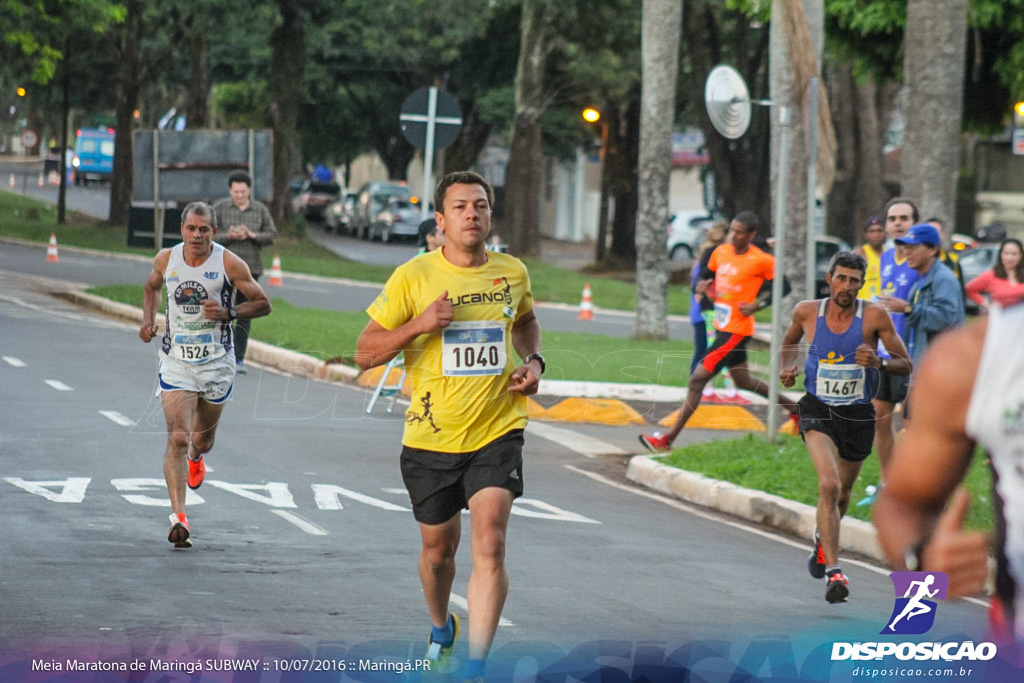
{"type": "Point", "coordinates": [686, 231]}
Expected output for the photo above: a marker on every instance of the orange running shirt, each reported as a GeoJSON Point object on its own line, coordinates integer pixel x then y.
{"type": "Point", "coordinates": [738, 279]}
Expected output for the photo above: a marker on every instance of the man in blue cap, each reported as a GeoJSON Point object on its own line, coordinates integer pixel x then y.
{"type": "Point", "coordinates": [936, 303]}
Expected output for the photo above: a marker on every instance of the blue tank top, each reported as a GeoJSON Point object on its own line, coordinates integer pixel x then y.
{"type": "Point", "coordinates": [897, 280]}
{"type": "Point", "coordinates": [832, 373]}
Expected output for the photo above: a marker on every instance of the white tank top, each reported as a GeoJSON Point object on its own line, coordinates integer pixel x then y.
{"type": "Point", "coordinates": [191, 338]}
{"type": "Point", "coordinates": [995, 420]}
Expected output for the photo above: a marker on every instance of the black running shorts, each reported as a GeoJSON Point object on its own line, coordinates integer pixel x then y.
{"type": "Point", "coordinates": [892, 388]}
{"type": "Point", "coordinates": [441, 484]}
{"type": "Point", "coordinates": [851, 428]}
{"type": "Point", "coordinates": [728, 351]}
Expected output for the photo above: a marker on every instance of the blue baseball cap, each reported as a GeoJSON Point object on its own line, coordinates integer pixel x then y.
{"type": "Point", "coordinates": [922, 233]}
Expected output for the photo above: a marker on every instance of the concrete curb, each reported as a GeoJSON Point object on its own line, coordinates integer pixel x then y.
{"type": "Point", "coordinates": [757, 506]}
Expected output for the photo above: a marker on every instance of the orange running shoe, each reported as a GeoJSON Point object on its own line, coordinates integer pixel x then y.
{"type": "Point", "coordinates": [179, 532]}
{"type": "Point", "coordinates": [816, 562]}
{"type": "Point", "coordinates": [196, 472]}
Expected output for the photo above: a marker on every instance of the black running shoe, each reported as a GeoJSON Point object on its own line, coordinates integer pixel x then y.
{"type": "Point", "coordinates": [838, 588]}
{"type": "Point", "coordinates": [816, 562]}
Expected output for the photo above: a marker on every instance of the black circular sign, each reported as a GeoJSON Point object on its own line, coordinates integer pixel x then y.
{"type": "Point", "coordinates": [416, 117]}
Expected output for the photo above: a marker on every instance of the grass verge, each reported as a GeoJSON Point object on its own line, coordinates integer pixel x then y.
{"type": "Point", "coordinates": [784, 469]}
{"type": "Point", "coordinates": [332, 335]}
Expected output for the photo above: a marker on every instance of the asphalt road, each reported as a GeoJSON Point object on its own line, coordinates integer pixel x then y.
{"type": "Point", "coordinates": [305, 549]}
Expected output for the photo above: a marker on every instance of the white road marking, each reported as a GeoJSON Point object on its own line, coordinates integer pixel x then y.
{"type": "Point", "coordinates": [328, 497]}
{"type": "Point", "coordinates": [308, 527]}
{"type": "Point", "coordinates": [72, 489]}
{"type": "Point", "coordinates": [461, 602]}
{"type": "Point", "coordinates": [117, 418]}
{"type": "Point", "coordinates": [722, 519]}
{"type": "Point", "coordinates": [58, 385]}
{"type": "Point", "coordinates": [580, 443]}
{"type": "Point", "coordinates": [14, 362]}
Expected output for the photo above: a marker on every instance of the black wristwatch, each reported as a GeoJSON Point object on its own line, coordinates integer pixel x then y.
{"type": "Point", "coordinates": [232, 313]}
{"type": "Point", "coordinates": [536, 356]}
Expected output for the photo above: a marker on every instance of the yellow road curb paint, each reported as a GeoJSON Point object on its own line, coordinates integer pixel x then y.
{"type": "Point", "coordinates": [718, 417]}
{"type": "Point", "coordinates": [371, 377]}
{"type": "Point", "coordinates": [594, 410]}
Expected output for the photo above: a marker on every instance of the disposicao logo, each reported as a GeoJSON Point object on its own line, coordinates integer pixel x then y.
{"type": "Point", "coordinates": [914, 612]}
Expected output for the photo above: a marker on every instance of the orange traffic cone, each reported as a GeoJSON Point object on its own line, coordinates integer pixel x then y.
{"type": "Point", "coordinates": [275, 272]}
{"type": "Point", "coordinates": [586, 305]}
{"type": "Point", "coordinates": [12, 180]}
{"type": "Point", "coordinates": [41, 180]}
{"type": "Point", "coordinates": [51, 251]}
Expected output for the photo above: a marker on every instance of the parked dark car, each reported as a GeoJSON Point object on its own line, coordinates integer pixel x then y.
{"type": "Point", "coordinates": [313, 199]}
{"type": "Point", "coordinates": [338, 217]}
{"type": "Point", "coordinates": [373, 198]}
{"type": "Point", "coordinates": [399, 219]}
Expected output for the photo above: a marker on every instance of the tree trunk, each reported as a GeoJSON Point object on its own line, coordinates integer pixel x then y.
{"type": "Point", "coordinates": [624, 183]}
{"type": "Point", "coordinates": [859, 111]}
{"type": "Point", "coordinates": [286, 64]}
{"type": "Point", "coordinates": [128, 85]}
{"type": "Point", "coordinates": [523, 176]}
{"type": "Point", "coordinates": [740, 167]}
{"type": "Point", "coordinates": [785, 91]}
{"type": "Point", "coordinates": [199, 81]}
{"type": "Point", "coordinates": [472, 138]}
{"type": "Point", "coordinates": [933, 67]}
{"type": "Point", "coordinates": [659, 47]}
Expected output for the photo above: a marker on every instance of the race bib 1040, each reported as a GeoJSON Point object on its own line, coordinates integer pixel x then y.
{"type": "Point", "coordinates": [473, 347]}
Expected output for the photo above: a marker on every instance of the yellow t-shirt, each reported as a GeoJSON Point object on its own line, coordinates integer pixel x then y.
{"type": "Point", "coordinates": [873, 275]}
{"type": "Point", "coordinates": [460, 399]}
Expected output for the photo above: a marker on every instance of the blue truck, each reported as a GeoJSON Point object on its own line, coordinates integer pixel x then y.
{"type": "Point", "coordinates": [94, 155]}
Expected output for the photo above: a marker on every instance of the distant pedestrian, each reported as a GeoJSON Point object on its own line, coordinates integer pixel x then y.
{"type": "Point", "coordinates": [947, 257]}
{"type": "Point", "coordinates": [1003, 283]}
{"type": "Point", "coordinates": [935, 303]}
{"type": "Point", "coordinates": [742, 275]}
{"type": "Point", "coordinates": [702, 305]}
{"type": "Point", "coordinates": [196, 360]}
{"type": "Point", "coordinates": [430, 236]}
{"type": "Point", "coordinates": [897, 279]}
{"type": "Point", "coordinates": [872, 249]}
{"type": "Point", "coordinates": [250, 227]}
{"type": "Point", "coordinates": [843, 333]}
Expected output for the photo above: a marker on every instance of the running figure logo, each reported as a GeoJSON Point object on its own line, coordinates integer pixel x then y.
{"type": "Point", "coordinates": [427, 416]}
{"type": "Point", "coordinates": [914, 612]}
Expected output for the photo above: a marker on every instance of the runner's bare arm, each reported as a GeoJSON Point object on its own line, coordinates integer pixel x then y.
{"type": "Point", "coordinates": [788, 369]}
{"type": "Point", "coordinates": [526, 340]}
{"type": "Point", "coordinates": [877, 319]}
{"type": "Point", "coordinates": [257, 306]}
{"type": "Point", "coordinates": [929, 463]}
{"type": "Point", "coordinates": [378, 345]}
{"type": "Point", "coordinates": [151, 295]}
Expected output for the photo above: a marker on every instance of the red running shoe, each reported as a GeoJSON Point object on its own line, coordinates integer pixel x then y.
{"type": "Point", "coordinates": [196, 472]}
{"type": "Point", "coordinates": [179, 532]}
{"type": "Point", "coordinates": [655, 443]}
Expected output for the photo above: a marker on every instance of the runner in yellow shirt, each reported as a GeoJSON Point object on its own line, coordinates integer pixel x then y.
{"type": "Point", "coordinates": [458, 313]}
{"type": "Point", "coordinates": [874, 245]}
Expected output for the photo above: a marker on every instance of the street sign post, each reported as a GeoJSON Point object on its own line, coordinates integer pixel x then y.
{"type": "Point", "coordinates": [29, 138]}
{"type": "Point", "coordinates": [430, 119]}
